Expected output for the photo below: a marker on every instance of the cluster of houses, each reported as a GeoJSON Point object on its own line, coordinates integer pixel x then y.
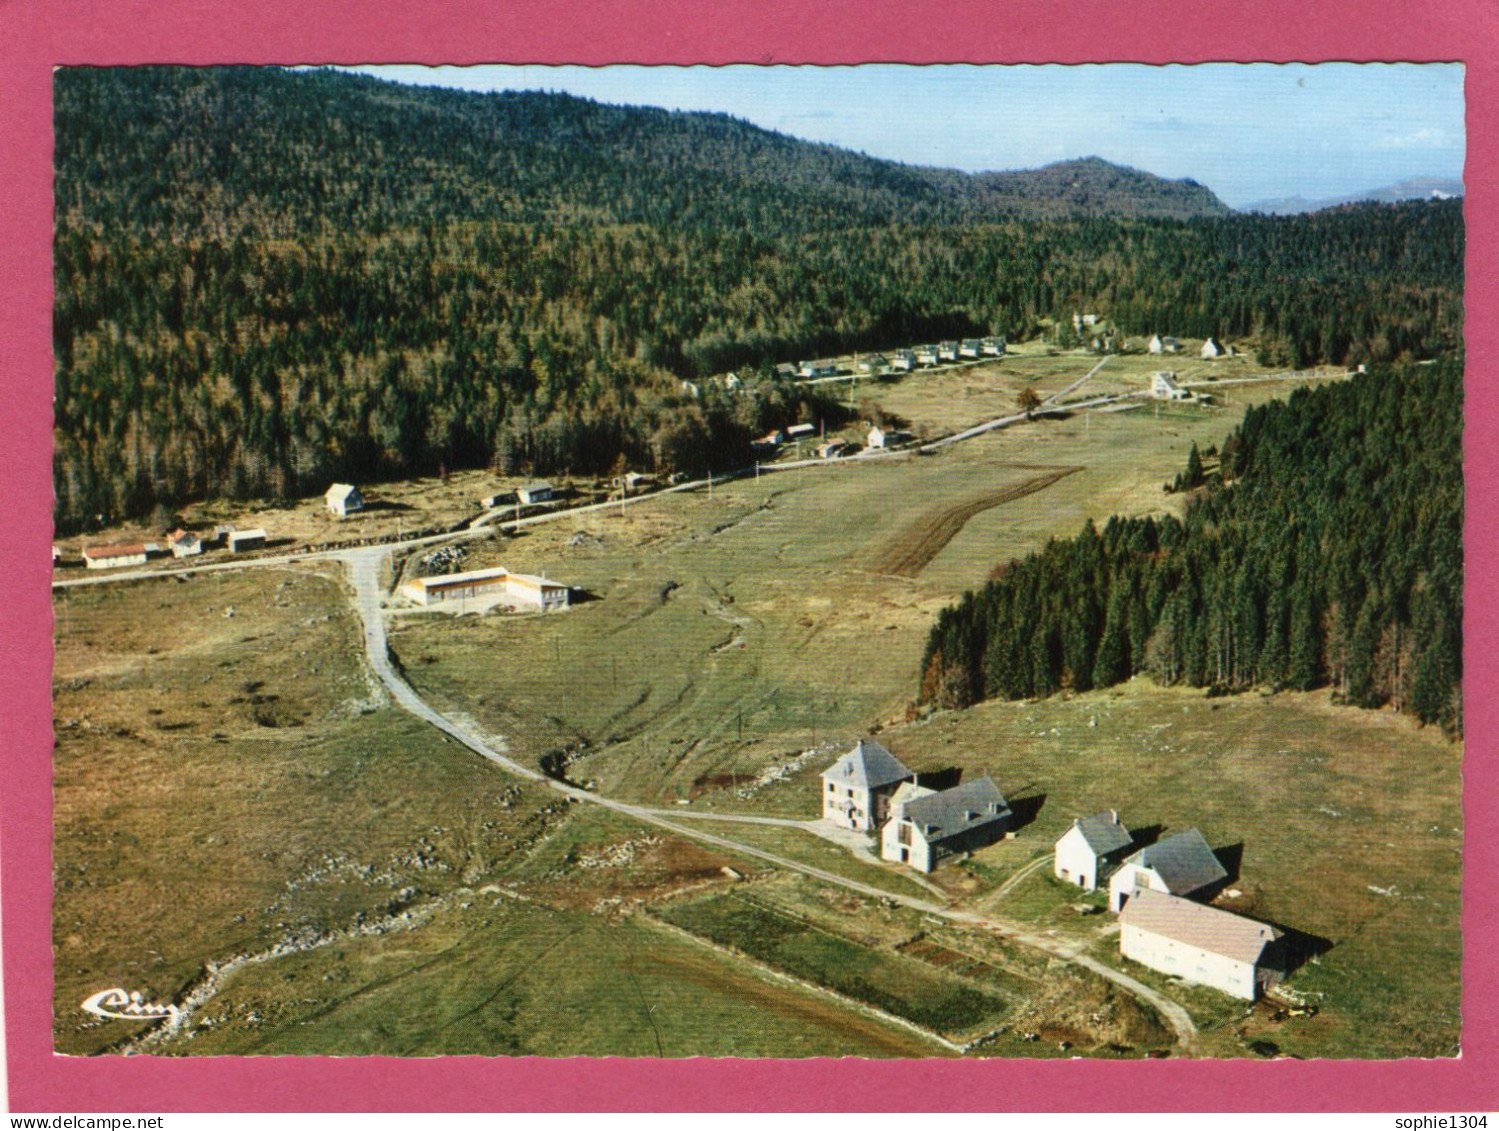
{"type": "Point", "coordinates": [179, 544]}
{"type": "Point", "coordinates": [487, 587]}
{"type": "Point", "coordinates": [869, 790]}
{"type": "Point", "coordinates": [1211, 349]}
{"type": "Point", "coordinates": [1156, 890]}
{"type": "Point", "coordinates": [899, 361]}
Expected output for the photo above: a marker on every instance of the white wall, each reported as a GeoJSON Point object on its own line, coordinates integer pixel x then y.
{"type": "Point", "coordinates": [1189, 963]}
{"type": "Point", "coordinates": [1077, 860]}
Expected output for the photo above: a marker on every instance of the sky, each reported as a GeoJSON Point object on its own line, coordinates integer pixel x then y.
{"type": "Point", "coordinates": [1249, 132]}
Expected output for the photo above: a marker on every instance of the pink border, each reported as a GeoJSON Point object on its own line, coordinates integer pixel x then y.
{"type": "Point", "coordinates": [34, 37]}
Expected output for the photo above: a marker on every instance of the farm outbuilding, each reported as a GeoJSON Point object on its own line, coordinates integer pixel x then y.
{"type": "Point", "coordinates": [856, 789]}
{"type": "Point", "coordinates": [494, 586]}
{"type": "Point", "coordinates": [1088, 852]}
{"type": "Point", "coordinates": [113, 557]}
{"type": "Point", "coordinates": [1158, 344]}
{"type": "Point", "coordinates": [1214, 348]}
{"type": "Point", "coordinates": [540, 492]}
{"type": "Point", "coordinates": [343, 499]}
{"type": "Point", "coordinates": [243, 540]}
{"type": "Point", "coordinates": [184, 544]}
{"type": "Point", "coordinates": [1201, 944]}
{"type": "Point", "coordinates": [887, 437]}
{"type": "Point", "coordinates": [1179, 865]}
{"type": "Point", "coordinates": [927, 825]}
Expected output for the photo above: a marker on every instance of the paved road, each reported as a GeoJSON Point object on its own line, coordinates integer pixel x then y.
{"type": "Point", "coordinates": [365, 567]}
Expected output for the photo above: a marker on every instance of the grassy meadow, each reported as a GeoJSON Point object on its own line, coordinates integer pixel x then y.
{"type": "Point", "coordinates": [232, 786]}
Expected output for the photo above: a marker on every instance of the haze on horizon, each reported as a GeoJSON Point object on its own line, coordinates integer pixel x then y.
{"type": "Point", "coordinates": [1248, 131]}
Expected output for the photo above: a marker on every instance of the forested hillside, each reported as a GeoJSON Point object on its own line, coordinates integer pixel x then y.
{"type": "Point", "coordinates": [1326, 550]}
{"type": "Point", "coordinates": [266, 279]}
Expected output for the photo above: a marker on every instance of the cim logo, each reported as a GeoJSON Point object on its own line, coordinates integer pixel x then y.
{"type": "Point", "coordinates": [124, 1006]}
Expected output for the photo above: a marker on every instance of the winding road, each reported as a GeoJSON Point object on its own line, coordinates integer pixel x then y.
{"type": "Point", "coordinates": [365, 568]}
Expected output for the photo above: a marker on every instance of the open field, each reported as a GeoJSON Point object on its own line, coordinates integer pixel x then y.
{"type": "Point", "coordinates": [232, 787]}
{"type": "Point", "coordinates": [735, 631]}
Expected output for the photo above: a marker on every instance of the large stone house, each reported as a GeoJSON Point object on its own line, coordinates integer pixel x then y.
{"type": "Point", "coordinates": [1200, 944]}
{"type": "Point", "coordinates": [1179, 865]}
{"type": "Point", "coordinates": [856, 789]}
{"type": "Point", "coordinates": [1088, 853]}
{"type": "Point", "coordinates": [927, 825]}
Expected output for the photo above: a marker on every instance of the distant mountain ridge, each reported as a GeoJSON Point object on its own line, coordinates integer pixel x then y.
{"type": "Point", "coordinates": [147, 140]}
{"type": "Point", "coordinates": [1412, 188]}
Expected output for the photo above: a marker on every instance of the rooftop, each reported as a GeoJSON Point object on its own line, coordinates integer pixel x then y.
{"type": "Point", "coordinates": [957, 810]}
{"type": "Point", "coordinates": [868, 765]}
{"type": "Point", "coordinates": [1185, 862]}
{"type": "Point", "coordinates": [1196, 924]}
{"type": "Point", "coordinates": [1103, 832]}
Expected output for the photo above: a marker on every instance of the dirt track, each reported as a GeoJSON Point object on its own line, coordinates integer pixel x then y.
{"type": "Point", "coordinates": [913, 550]}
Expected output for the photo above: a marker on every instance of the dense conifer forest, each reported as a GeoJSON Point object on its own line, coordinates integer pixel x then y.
{"type": "Point", "coordinates": [266, 280]}
{"type": "Point", "coordinates": [1323, 547]}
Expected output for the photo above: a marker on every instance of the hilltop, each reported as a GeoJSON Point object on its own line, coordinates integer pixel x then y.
{"type": "Point", "coordinates": [1412, 188]}
{"type": "Point", "coordinates": [140, 144]}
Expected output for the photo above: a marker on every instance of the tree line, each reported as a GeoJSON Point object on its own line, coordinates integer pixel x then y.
{"type": "Point", "coordinates": [266, 280]}
{"type": "Point", "coordinates": [1323, 550]}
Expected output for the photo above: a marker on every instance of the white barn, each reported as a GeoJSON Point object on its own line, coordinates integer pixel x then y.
{"type": "Point", "coordinates": [1179, 865]}
{"type": "Point", "coordinates": [926, 826]}
{"type": "Point", "coordinates": [1200, 944]}
{"type": "Point", "coordinates": [1214, 348]}
{"type": "Point", "coordinates": [1158, 344]}
{"type": "Point", "coordinates": [1089, 852]}
{"type": "Point", "coordinates": [343, 499]}
{"type": "Point", "coordinates": [856, 789]}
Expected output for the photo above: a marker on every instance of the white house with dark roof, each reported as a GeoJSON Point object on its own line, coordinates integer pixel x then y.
{"type": "Point", "coordinates": [927, 825]}
{"type": "Point", "coordinates": [856, 789]}
{"type": "Point", "coordinates": [343, 499]}
{"type": "Point", "coordinates": [1179, 865]}
{"type": "Point", "coordinates": [1089, 852]}
{"type": "Point", "coordinates": [1214, 348]}
{"type": "Point", "coordinates": [1158, 344]}
{"type": "Point", "coordinates": [993, 347]}
{"type": "Point", "coordinates": [1200, 944]}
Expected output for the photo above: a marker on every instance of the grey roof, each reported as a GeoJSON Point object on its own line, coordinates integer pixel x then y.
{"type": "Point", "coordinates": [868, 765]}
{"type": "Point", "coordinates": [1196, 924]}
{"type": "Point", "coordinates": [1103, 833]}
{"type": "Point", "coordinates": [1185, 862]}
{"type": "Point", "coordinates": [954, 811]}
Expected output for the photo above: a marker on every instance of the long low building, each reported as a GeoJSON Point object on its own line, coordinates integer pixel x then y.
{"type": "Point", "coordinates": [113, 557]}
{"type": "Point", "coordinates": [497, 585]}
{"type": "Point", "coordinates": [1200, 944]}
